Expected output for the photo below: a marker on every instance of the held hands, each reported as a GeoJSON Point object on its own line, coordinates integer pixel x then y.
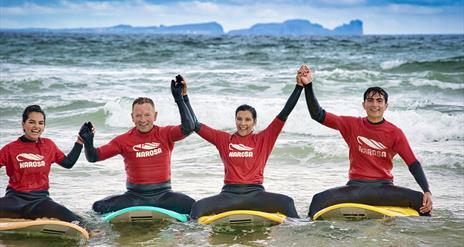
{"type": "Point", "coordinates": [86, 133]}
{"type": "Point", "coordinates": [180, 79]}
{"type": "Point", "coordinates": [177, 88]}
{"type": "Point", "coordinates": [304, 75]}
{"type": "Point", "coordinates": [426, 203]}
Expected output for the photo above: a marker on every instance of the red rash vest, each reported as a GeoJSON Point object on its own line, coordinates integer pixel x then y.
{"type": "Point", "coordinates": [244, 157]}
{"type": "Point", "coordinates": [147, 156]}
{"type": "Point", "coordinates": [371, 146]}
{"type": "Point", "coordinates": [28, 163]}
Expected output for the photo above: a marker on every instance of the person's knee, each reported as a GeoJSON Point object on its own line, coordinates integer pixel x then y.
{"type": "Point", "coordinates": [99, 207]}
{"type": "Point", "coordinates": [317, 203]}
{"type": "Point", "coordinates": [199, 208]}
{"type": "Point", "coordinates": [187, 206]}
{"type": "Point", "coordinates": [317, 198]}
{"type": "Point", "coordinates": [195, 210]}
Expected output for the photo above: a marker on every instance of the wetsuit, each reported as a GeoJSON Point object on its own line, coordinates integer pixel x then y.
{"type": "Point", "coordinates": [147, 159]}
{"type": "Point", "coordinates": [244, 159]}
{"type": "Point", "coordinates": [27, 166]}
{"type": "Point", "coordinates": [372, 147]}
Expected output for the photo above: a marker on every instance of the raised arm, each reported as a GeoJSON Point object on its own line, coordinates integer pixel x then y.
{"type": "Point", "coordinates": [87, 132]}
{"type": "Point", "coordinates": [70, 159]}
{"type": "Point", "coordinates": [180, 79]}
{"type": "Point", "coordinates": [315, 110]}
{"type": "Point", "coordinates": [185, 116]}
{"type": "Point", "coordinates": [292, 100]}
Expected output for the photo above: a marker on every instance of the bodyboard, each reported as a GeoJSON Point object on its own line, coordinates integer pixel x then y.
{"type": "Point", "coordinates": [43, 227]}
{"type": "Point", "coordinates": [144, 214]}
{"type": "Point", "coordinates": [243, 218]}
{"type": "Point", "coordinates": [357, 211]}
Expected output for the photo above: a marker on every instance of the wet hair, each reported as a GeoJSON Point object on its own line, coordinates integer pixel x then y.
{"type": "Point", "coordinates": [143, 100]}
{"type": "Point", "coordinates": [32, 108]}
{"type": "Point", "coordinates": [374, 91]}
{"type": "Point", "coordinates": [249, 108]}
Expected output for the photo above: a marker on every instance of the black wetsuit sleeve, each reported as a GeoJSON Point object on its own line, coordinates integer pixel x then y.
{"type": "Point", "coordinates": [185, 117]}
{"type": "Point", "coordinates": [315, 110]}
{"type": "Point", "coordinates": [192, 114]}
{"type": "Point", "coordinates": [69, 160]}
{"type": "Point", "coordinates": [418, 173]}
{"type": "Point", "coordinates": [291, 102]}
{"type": "Point", "coordinates": [91, 153]}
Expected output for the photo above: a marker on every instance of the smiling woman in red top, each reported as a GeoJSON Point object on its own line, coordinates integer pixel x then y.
{"type": "Point", "coordinates": [28, 161]}
{"type": "Point", "coordinates": [244, 154]}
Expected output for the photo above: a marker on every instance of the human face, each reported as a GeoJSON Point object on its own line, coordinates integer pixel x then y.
{"type": "Point", "coordinates": [143, 116]}
{"type": "Point", "coordinates": [244, 122]}
{"type": "Point", "coordinates": [375, 106]}
{"type": "Point", "coordinates": [34, 126]}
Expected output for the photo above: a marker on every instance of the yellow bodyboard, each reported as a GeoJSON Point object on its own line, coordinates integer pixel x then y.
{"type": "Point", "coordinates": [358, 211]}
{"type": "Point", "coordinates": [44, 227]}
{"type": "Point", "coordinates": [243, 217]}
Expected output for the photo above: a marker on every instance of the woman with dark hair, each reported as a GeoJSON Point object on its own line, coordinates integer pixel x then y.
{"type": "Point", "coordinates": [27, 161]}
{"type": "Point", "coordinates": [245, 154]}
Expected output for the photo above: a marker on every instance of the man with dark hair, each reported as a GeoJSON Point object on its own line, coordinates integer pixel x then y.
{"type": "Point", "coordinates": [146, 149]}
{"type": "Point", "coordinates": [372, 142]}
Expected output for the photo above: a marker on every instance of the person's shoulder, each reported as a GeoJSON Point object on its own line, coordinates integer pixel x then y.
{"type": "Point", "coordinates": [393, 128]}
{"type": "Point", "coordinates": [10, 144]}
{"type": "Point", "coordinates": [124, 136]}
{"type": "Point", "coordinates": [391, 125]}
{"type": "Point", "coordinates": [127, 133]}
{"type": "Point", "coordinates": [351, 118]}
{"type": "Point", "coordinates": [157, 128]}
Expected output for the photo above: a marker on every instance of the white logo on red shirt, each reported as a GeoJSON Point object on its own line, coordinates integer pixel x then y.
{"type": "Point", "coordinates": [27, 160]}
{"type": "Point", "coordinates": [240, 150]}
{"type": "Point", "coordinates": [145, 146]}
{"type": "Point", "coordinates": [375, 147]}
{"type": "Point", "coordinates": [371, 143]}
{"type": "Point", "coordinates": [240, 147]}
{"type": "Point", "coordinates": [147, 149]}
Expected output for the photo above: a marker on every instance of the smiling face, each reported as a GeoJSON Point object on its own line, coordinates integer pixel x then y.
{"type": "Point", "coordinates": [375, 105]}
{"type": "Point", "coordinates": [244, 122]}
{"type": "Point", "coordinates": [34, 126]}
{"type": "Point", "coordinates": [143, 116]}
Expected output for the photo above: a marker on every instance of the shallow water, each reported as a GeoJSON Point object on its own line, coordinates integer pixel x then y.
{"type": "Point", "coordinates": [79, 78]}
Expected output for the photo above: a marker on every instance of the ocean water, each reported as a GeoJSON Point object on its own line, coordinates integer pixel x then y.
{"type": "Point", "coordinates": [82, 77]}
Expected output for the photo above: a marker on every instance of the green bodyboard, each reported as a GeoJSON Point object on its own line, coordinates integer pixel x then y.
{"type": "Point", "coordinates": [143, 214]}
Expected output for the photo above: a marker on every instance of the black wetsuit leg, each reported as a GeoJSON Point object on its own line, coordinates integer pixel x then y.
{"type": "Point", "coordinates": [117, 202]}
{"type": "Point", "coordinates": [175, 201]}
{"type": "Point", "coordinates": [33, 205]}
{"type": "Point", "coordinates": [378, 193]}
{"type": "Point", "coordinates": [331, 197]}
{"type": "Point", "coordinates": [391, 195]}
{"type": "Point", "coordinates": [384, 193]}
{"type": "Point", "coordinates": [214, 205]}
{"type": "Point", "coordinates": [163, 198]}
{"type": "Point", "coordinates": [11, 207]}
{"type": "Point", "coordinates": [273, 203]}
{"type": "Point", "coordinates": [244, 197]}
{"type": "Point", "coordinates": [51, 209]}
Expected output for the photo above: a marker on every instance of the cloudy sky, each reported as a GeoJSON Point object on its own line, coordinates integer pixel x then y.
{"type": "Point", "coordinates": [379, 16]}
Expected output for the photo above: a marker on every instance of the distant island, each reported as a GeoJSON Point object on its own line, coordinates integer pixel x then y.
{"type": "Point", "coordinates": [286, 28]}
{"type": "Point", "coordinates": [300, 28]}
